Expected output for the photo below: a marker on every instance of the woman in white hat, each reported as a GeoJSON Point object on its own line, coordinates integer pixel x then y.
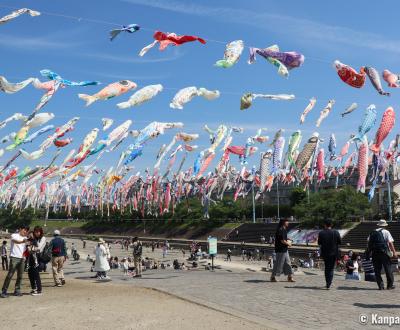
{"type": "Point", "coordinates": [101, 265]}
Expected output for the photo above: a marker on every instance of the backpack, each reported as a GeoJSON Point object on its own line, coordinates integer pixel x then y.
{"type": "Point", "coordinates": [377, 242]}
{"type": "Point", "coordinates": [46, 254]}
{"type": "Point", "coordinates": [137, 250]}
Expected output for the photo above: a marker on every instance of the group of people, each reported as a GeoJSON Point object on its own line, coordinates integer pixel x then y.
{"type": "Point", "coordinates": [29, 250]}
{"type": "Point", "coordinates": [104, 262]}
{"type": "Point", "coordinates": [380, 250]}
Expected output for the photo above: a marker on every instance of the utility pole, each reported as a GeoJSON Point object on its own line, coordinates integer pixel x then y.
{"type": "Point", "coordinates": [254, 204]}
{"type": "Point", "coordinates": [389, 195]}
{"type": "Point", "coordinates": [253, 171]}
{"type": "Point", "coordinates": [277, 195]}
{"type": "Point", "coordinates": [262, 206]}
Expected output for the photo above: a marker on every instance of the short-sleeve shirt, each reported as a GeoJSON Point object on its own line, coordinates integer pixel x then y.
{"type": "Point", "coordinates": [386, 235]}
{"type": "Point", "coordinates": [17, 250]}
{"type": "Point", "coordinates": [281, 235]}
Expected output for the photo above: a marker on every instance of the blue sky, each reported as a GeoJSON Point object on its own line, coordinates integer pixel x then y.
{"type": "Point", "coordinates": [357, 33]}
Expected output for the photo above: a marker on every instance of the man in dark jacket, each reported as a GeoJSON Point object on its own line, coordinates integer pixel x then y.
{"type": "Point", "coordinates": [329, 241]}
{"type": "Point", "coordinates": [59, 255]}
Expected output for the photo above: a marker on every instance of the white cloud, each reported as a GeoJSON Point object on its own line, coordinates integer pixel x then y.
{"type": "Point", "coordinates": [134, 58]}
{"type": "Point", "coordinates": [128, 76]}
{"type": "Point", "coordinates": [304, 28]}
{"type": "Point", "coordinates": [32, 43]}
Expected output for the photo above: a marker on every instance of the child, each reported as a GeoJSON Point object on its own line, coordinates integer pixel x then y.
{"type": "Point", "coordinates": [352, 268]}
{"type": "Point", "coordinates": [125, 265]}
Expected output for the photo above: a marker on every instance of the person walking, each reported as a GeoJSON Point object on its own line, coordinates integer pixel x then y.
{"type": "Point", "coordinates": [282, 243]}
{"type": "Point", "coordinates": [329, 241]}
{"type": "Point", "coordinates": [137, 256]}
{"type": "Point", "coordinates": [228, 255]}
{"type": "Point", "coordinates": [101, 265]}
{"type": "Point", "coordinates": [4, 255]}
{"type": "Point", "coordinates": [38, 242]}
{"type": "Point", "coordinates": [18, 245]}
{"type": "Point", "coordinates": [59, 256]}
{"type": "Point", "coordinates": [381, 248]}
{"type": "Point", "coordinates": [165, 249]}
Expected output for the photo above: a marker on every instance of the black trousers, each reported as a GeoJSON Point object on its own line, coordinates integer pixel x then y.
{"type": "Point", "coordinates": [34, 278]}
{"type": "Point", "coordinates": [379, 260]}
{"type": "Point", "coordinates": [329, 268]}
{"type": "Point", "coordinates": [4, 262]}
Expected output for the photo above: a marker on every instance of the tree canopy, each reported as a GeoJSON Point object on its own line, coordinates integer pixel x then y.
{"type": "Point", "coordinates": [340, 205]}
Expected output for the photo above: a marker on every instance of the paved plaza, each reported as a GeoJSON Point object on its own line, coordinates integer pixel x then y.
{"type": "Point", "coordinates": [242, 289]}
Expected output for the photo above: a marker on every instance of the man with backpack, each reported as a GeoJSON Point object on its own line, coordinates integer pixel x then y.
{"type": "Point", "coordinates": [137, 256]}
{"type": "Point", "coordinates": [381, 247]}
{"type": "Point", "coordinates": [59, 255]}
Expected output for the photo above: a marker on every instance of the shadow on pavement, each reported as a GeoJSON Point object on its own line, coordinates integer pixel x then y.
{"type": "Point", "coordinates": [156, 278]}
{"type": "Point", "coordinates": [355, 288]}
{"type": "Point", "coordinates": [305, 287]}
{"type": "Point", "coordinates": [309, 273]}
{"type": "Point", "coordinates": [376, 305]}
{"type": "Point", "coordinates": [256, 281]}
{"type": "Point", "coordinates": [84, 278]}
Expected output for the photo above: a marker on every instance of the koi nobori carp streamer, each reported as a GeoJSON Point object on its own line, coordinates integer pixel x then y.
{"type": "Point", "coordinates": [392, 79]}
{"type": "Point", "coordinates": [373, 76]}
{"type": "Point", "coordinates": [141, 96]}
{"type": "Point", "coordinates": [10, 88]}
{"type": "Point", "coordinates": [247, 98]}
{"type": "Point", "coordinates": [17, 13]}
{"type": "Point", "coordinates": [285, 61]}
{"type": "Point", "coordinates": [130, 28]}
{"type": "Point", "coordinates": [185, 95]}
{"type": "Point", "coordinates": [308, 108]}
{"type": "Point", "coordinates": [167, 39]}
{"type": "Point", "coordinates": [232, 54]}
{"type": "Point", "coordinates": [325, 112]}
{"type": "Point", "coordinates": [387, 124]}
{"type": "Point", "coordinates": [108, 92]}
{"type": "Point", "coordinates": [349, 75]}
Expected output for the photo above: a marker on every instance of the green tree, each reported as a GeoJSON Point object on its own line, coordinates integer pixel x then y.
{"type": "Point", "coordinates": [297, 195]}
{"type": "Point", "coordinates": [340, 205]}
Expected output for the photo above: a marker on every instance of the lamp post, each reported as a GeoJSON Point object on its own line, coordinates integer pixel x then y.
{"type": "Point", "coordinates": [254, 204]}
{"type": "Point", "coordinates": [277, 195]}
{"type": "Point", "coordinates": [389, 195]}
{"type": "Point", "coordinates": [253, 172]}
{"type": "Point", "coordinates": [262, 206]}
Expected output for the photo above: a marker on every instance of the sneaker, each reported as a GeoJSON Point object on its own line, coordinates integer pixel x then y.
{"type": "Point", "coordinates": [4, 295]}
{"type": "Point", "coordinates": [392, 287]}
{"type": "Point", "coordinates": [17, 294]}
{"type": "Point", "coordinates": [33, 291]}
{"type": "Point", "coordinates": [63, 282]}
{"type": "Point", "coordinates": [273, 279]}
{"type": "Point", "coordinates": [58, 285]}
{"type": "Point", "coordinates": [36, 293]}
